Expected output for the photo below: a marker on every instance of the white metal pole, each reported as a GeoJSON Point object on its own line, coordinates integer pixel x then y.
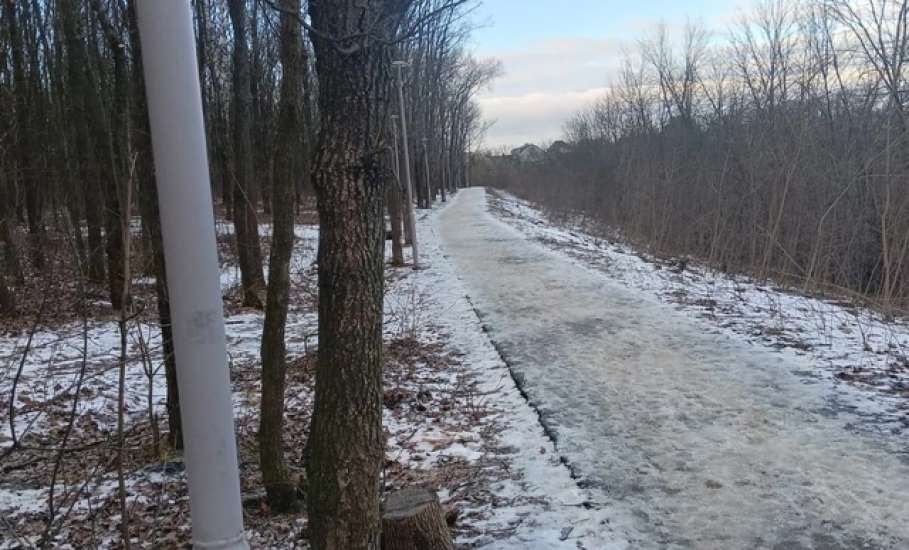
{"type": "Point", "coordinates": [394, 133]}
{"type": "Point", "coordinates": [430, 196]}
{"type": "Point", "coordinates": [467, 164]}
{"type": "Point", "coordinates": [408, 240]}
{"type": "Point", "coordinates": [188, 228]}
{"type": "Point", "coordinates": [467, 168]}
{"type": "Point", "coordinates": [411, 218]}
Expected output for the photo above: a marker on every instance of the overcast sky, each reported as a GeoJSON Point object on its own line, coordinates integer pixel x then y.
{"type": "Point", "coordinates": [560, 55]}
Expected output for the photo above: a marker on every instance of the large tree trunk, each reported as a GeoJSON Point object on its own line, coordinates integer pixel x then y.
{"type": "Point", "coordinates": [346, 445]}
{"type": "Point", "coordinates": [246, 225]}
{"type": "Point", "coordinates": [279, 487]}
{"type": "Point", "coordinates": [395, 205]}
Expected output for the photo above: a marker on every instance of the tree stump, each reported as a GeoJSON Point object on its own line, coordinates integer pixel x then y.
{"type": "Point", "coordinates": [413, 519]}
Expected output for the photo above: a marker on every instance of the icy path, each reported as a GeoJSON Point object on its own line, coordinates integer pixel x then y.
{"type": "Point", "coordinates": [695, 437]}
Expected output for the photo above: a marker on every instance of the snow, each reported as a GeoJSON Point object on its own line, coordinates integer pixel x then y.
{"type": "Point", "coordinates": [666, 410]}
{"type": "Point", "coordinates": [52, 366]}
{"type": "Point", "coordinates": [23, 501]}
{"type": "Point", "coordinates": [51, 370]}
{"type": "Point", "coordinates": [836, 336]}
{"type": "Point", "coordinates": [692, 433]}
{"type": "Point", "coordinates": [534, 503]}
{"type": "Point", "coordinates": [549, 509]}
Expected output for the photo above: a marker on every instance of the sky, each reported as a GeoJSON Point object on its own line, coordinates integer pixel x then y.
{"type": "Point", "coordinates": [559, 56]}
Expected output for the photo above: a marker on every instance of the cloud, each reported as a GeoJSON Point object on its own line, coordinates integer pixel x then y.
{"type": "Point", "coordinates": [551, 78]}
{"type": "Point", "coordinates": [533, 117]}
{"type": "Point", "coordinates": [544, 84]}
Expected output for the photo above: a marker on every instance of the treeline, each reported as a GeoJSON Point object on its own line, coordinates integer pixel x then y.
{"type": "Point", "coordinates": [782, 153]}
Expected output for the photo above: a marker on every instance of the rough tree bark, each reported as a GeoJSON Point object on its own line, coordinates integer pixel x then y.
{"type": "Point", "coordinates": [280, 488]}
{"type": "Point", "coordinates": [346, 445]}
{"type": "Point", "coordinates": [395, 206]}
{"type": "Point", "coordinates": [246, 225]}
{"type": "Point", "coordinates": [413, 519]}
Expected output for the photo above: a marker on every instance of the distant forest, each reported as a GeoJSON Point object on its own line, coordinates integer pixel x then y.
{"type": "Point", "coordinates": [782, 153]}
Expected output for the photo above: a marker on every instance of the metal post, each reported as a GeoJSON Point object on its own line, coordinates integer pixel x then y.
{"type": "Point", "coordinates": [394, 133]}
{"type": "Point", "coordinates": [430, 196]}
{"type": "Point", "coordinates": [408, 239]}
{"type": "Point", "coordinates": [411, 217]}
{"type": "Point", "coordinates": [467, 168]}
{"type": "Point", "coordinates": [467, 164]}
{"type": "Point", "coordinates": [188, 228]}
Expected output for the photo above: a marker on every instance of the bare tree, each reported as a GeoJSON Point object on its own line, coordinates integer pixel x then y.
{"type": "Point", "coordinates": [246, 225]}
{"type": "Point", "coordinates": [782, 154]}
{"type": "Point", "coordinates": [350, 175]}
{"type": "Point", "coordinates": [280, 488]}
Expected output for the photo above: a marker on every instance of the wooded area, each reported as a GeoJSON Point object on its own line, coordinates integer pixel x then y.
{"type": "Point", "coordinates": [298, 101]}
{"type": "Point", "coordinates": [780, 152]}
{"type": "Point", "coordinates": [74, 133]}
{"type": "Point", "coordinates": [726, 299]}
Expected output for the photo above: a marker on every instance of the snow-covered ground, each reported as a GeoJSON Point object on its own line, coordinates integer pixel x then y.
{"type": "Point", "coordinates": [863, 355]}
{"type": "Point", "coordinates": [53, 357]}
{"type": "Point", "coordinates": [727, 424]}
{"type": "Point", "coordinates": [671, 408]}
{"type": "Point", "coordinates": [454, 418]}
{"type": "Point", "coordinates": [541, 505]}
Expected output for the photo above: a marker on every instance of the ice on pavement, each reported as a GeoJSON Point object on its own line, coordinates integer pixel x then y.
{"type": "Point", "coordinates": [705, 439]}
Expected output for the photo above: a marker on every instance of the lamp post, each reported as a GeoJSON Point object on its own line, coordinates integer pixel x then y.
{"type": "Point", "coordinates": [467, 168]}
{"type": "Point", "coordinates": [197, 311]}
{"type": "Point", "coordinates": [411, 218]}
{"type": "Point", "coordinates": [467, 163]}
{"type": "Point", "coordinates": [429, 194]}
{"type": "Point", "coordinates": [394, 133]}
{"type": "Point", "coordinates": [408, 239]}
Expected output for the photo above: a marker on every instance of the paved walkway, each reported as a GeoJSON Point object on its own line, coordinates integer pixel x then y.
{"type": "Point", "coordinates": [696, 438]}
